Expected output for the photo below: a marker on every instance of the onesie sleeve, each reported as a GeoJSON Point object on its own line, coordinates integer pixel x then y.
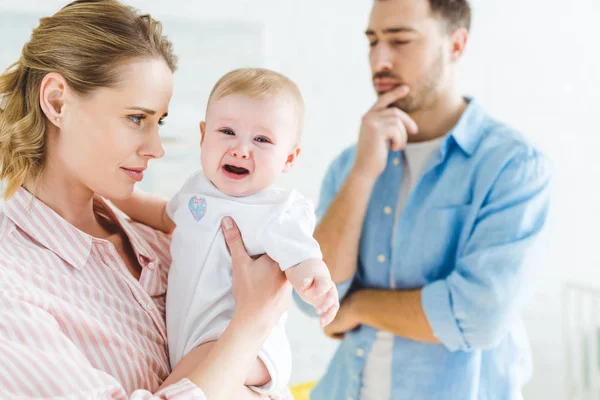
{"type": "Point", "coordinates": [288, 236]}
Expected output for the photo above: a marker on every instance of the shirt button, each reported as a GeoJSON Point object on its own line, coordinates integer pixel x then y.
{"type": "Point", "coordinates": [150, 306]}
{"type": "Point", "coordinates": [151, 266]}
{"type": "Point", "coordinates": [360, 352]}
{"type": "Point", "coordinates": [387, 210]}
{"type": "Point", "coordinates": [381, 258]}
{"type": "Point", "coordinates": [396, 161]}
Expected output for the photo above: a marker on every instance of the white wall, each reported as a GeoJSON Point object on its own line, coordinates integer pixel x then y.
{"type": "Point", "coordinates": [534, 64]}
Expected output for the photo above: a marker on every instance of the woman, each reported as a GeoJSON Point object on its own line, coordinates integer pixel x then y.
{"type": "Point", "coordinates": [82, 289]}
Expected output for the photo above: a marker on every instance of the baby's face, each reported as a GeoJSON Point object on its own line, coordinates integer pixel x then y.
{"type": "Point", "coordinates": [248, 143]}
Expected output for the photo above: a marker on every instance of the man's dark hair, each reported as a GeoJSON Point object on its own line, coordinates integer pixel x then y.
{"type": "Point", "coordinates": [457, 13]}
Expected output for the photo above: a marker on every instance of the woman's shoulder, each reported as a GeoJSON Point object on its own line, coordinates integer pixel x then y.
{"type": "Point", "coordinates": [7, 228]}
{"type": "Point", "coordinates": [12, 248]}
{"type": "Point", "coordinates": [4, 222]}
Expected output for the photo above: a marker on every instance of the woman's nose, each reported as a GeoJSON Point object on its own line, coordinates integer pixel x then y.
{"type": "Point", "coordinates": [154, 148]}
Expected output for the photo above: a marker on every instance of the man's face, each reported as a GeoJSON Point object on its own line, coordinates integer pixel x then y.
{"type": "Point", "coordinates": [409, 45]}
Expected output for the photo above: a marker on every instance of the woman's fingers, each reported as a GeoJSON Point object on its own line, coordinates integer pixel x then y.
{"type": "Point", "coordinates": [233, 238]}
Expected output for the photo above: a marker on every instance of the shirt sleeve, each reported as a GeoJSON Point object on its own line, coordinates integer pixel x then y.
{"type": "Point", "coordinates": [39, 361]}
{"type": "Point", "coordinates": [475, 306]}
{"type": "Point", "coordinates": [288, 237]}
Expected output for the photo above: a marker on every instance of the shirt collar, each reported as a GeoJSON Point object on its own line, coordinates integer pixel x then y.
{"type": "Point", "coordinates": [466, 132]}
{"type": "Point", "coordinates": [141, 247]}
{"type": "Point", "coordinates": [52, 231]}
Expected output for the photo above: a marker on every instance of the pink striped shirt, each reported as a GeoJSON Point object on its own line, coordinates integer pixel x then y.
{"type": "Point", "coordinates": [74, 322]}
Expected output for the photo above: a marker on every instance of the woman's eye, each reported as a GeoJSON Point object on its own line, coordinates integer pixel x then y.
{"type": "Point", "coordinates": [262, 139]}
{"type": "Point", "coordinates": [227, 131]}
{"type": "Point", "coordinates": [136, 119]}
{"type": "Point", "coordinates": [161, 122]}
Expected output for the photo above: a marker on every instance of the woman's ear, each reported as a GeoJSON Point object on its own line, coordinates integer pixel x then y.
{"type": "Point", "coordinates": [53, 91]}
{"type": "Point", "coordinates": [289, 163]}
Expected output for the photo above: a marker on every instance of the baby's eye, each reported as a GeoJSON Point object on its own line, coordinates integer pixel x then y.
{"type": "Point", "coordinates": [227, 131]}
{"type": "Point", "coordinates": [262, 139]}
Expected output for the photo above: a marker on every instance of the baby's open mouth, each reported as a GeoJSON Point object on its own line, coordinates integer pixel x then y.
{"type": "Point", "coordinates": [236, 170]}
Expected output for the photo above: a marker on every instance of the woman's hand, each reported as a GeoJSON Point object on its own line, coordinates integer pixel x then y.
{"type": "Point", "coordinates": [261, 290]}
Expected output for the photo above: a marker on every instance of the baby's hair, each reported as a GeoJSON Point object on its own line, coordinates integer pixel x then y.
{"type": "Point", "coordinates": [258, 83]}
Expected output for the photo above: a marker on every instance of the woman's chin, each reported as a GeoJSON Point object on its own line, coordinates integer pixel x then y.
{"type": "Point", "coordinates": [114, 193]}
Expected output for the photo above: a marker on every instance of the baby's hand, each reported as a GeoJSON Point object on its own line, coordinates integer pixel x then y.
{"type": "Point", "coordinates": [323, 295]}
{"type": "Point", "coordinates": [313, 283]}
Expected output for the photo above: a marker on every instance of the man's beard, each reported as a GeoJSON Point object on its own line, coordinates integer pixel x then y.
{"type": "Point", "coordinates": [424, 92]}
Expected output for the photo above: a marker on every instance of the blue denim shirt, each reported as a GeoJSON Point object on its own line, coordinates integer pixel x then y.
{"type": "Point", "coordinates": [467, 235]}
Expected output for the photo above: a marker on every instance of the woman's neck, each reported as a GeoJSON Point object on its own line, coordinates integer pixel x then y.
{"type": "Point", "coordinates": [69, 199]}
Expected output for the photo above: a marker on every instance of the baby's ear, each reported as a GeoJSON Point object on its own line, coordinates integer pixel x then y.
{"type": "Point", "coordinates": [202, 131]}
{"type": "Point", "coordinates": [291, 159]}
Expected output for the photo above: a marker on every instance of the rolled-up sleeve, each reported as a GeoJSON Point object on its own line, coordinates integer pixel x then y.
{"type": "Point", "coordinates": [475, 306]}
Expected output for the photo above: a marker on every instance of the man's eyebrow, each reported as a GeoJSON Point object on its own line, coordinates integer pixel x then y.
{"type": "Point", "coordinates": [395, 29]}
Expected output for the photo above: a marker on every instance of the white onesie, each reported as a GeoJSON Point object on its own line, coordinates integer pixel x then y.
{"type": "Point", "coordinates": [200, 302]}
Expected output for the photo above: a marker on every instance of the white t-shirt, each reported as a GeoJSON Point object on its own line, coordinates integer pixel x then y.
{"type": "Point", "coordinates": [377, 374]}
{"type": "Point", "coordinates": [200, 302]}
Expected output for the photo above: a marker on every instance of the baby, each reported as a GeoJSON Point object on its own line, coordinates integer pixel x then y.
{"type": "Point", "coordinates": [250, 137]}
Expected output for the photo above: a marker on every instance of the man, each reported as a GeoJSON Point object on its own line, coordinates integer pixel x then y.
{"type": "Point", "coordinates": [428, 226]}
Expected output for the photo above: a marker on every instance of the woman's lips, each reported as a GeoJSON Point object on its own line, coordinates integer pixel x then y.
{"type": "Point", "coordinates": [135, 174]}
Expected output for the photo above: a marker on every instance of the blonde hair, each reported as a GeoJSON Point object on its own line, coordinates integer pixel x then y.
{"type": "Point", "coordinates": [85, 42]}
{"type": "Point", "coordinates": [258, 83]}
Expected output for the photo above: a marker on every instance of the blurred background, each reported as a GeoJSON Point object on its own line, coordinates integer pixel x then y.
{"type": "Point", "coordinates": [534, 64]}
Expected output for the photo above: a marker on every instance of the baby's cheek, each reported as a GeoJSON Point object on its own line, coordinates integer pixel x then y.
{"type": "Point", "coordinates": [270, 169]}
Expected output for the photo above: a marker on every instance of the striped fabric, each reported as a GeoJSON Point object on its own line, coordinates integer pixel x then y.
{"type": "Point", "coordinates": [74, 322]}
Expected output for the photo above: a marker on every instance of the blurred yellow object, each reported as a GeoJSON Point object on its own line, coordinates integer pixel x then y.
{"type": "Point", "coordinates": [301, 391]}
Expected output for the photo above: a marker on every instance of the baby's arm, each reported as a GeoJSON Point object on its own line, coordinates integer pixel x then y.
{"type": "Point", "coordinates": [288, 239]}
{"type": "Point", "coordinates": [148, 209]}
{"type": "Point", "coordinates": [312, 281]}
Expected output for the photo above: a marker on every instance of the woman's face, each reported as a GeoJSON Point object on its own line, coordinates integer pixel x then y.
{"type": "Point", "coordinates": [106, 138]}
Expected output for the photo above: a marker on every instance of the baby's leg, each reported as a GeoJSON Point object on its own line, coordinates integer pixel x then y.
{"type": "Point", "coordinates": [276, 358]}
{"type": "Point", "coordinates": [257, 376]}
{"type": "Point", "coordinates": [188, 363]}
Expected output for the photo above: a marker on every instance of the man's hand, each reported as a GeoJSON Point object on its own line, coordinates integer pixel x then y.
{"type": "Point", "coordinates": [381, 126]}
{"type": "Point", "coordinates": [345, 320]}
